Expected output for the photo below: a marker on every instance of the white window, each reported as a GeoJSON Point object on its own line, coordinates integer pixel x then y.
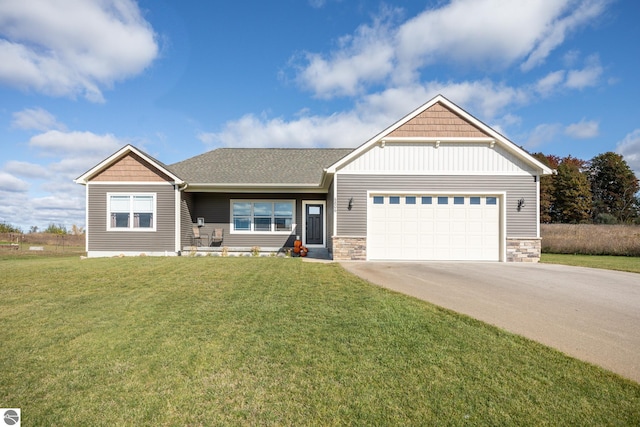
{"type": "Point", "coordinates": [131, 211]}
{"type": "Point", "coordinates": [262, 216]}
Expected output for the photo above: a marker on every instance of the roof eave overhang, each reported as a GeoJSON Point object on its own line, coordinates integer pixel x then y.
{"type": "Point", "coordinates": [254, 188]}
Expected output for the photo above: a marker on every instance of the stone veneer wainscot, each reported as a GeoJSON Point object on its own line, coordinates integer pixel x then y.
{"type": "Point", "coordinates": [349, 248]}
{"type": "Point", "coordinates": [524, 249]}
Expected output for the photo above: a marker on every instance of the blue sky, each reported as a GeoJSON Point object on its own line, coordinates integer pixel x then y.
{"type": "Point", "coordinates": [79, 79]}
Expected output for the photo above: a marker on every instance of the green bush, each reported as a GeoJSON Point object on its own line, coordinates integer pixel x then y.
{"type": "Point", "coordinates": [56, 229]}
{"type": "Point", "coordinates": [606, 218]}
{"type": "Point", "coordinates": [8, 228]}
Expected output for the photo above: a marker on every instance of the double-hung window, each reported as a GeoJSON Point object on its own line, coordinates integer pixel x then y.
{"type": "Point", "coordinates": [262, 216]}
{"type": "Point", "coordinates": [131, 211]}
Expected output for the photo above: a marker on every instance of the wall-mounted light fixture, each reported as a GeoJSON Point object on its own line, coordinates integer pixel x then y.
{"type": "Point", "coordinates": [200, 222]}
{"type": "Point", "coordinates": [521, 204]}
{"type": "Point", "coordinates": [350, 204]}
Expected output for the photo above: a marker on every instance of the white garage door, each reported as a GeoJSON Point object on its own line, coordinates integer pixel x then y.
{"type": "Point", "coordinates": [433, 227]}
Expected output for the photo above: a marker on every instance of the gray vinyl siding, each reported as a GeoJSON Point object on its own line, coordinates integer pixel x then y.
{"type": "Point", "coordinates": [354, 222]}
{"type": "Point", "coordinates": [186, 225]}
{"type": "Point", "coordinates": [215, 208]}
{"type": "Point", "coordinates": [163, 239]}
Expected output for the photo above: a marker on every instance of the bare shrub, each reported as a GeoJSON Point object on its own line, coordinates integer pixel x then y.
{"type": "Point", "coordinates": [44, 239]}
{"type": "Point", "coordinates": [591, 239]}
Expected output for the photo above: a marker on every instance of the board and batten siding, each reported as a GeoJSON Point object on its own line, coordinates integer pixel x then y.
{"type": "Point", "coordinates": [101, 240]}
{"type": "Point", "coordinates": [450, 158]}
{"type": "Point", "coordinates": [353, 222]}
{"type": "Point", "coordinates": [215, 208]}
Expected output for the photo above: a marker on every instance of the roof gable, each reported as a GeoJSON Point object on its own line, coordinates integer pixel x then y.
{"type": "Point", "coordinates": [440, 120]}
{"type": "Point", "coordinates": [131, 167]}
{"type": "Point", "coordinates": [129, 164]}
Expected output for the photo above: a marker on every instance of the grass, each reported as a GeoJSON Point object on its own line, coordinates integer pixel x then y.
{"type": "Point", "coordinates": [621, 263]}
{"type": "Point", "coordinates": [263, 341]}
{"type": "Point", "coordinates": [51, 244]}
{"type": "Point", "coordinates": [591, 239]}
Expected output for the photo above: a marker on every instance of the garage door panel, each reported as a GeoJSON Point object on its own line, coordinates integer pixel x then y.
{"type": "Point", "coordinates": [459, 226]}
{"type": "Point", "coordinates": [458, 214]}
{"type": "Point", "coordinates": [449, 228]}
{"type": "Point", "coordinates": [443, 213]}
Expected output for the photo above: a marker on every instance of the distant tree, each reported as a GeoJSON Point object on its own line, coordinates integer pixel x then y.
{"type": "Point", "coordinates": [572, 192]}
{"type": "Point", "coordinates": [8, 228]}
{"type": "Point", "coordinates": [77, 230]}
{"type": "Point", "coordinates": [56, 229]}
{"type": "Point", "coordinates": [614, 187]}
{"type": "Point", "coordinates": [547, 187]}
{"type": "Point", "coordinates": [33, 229]}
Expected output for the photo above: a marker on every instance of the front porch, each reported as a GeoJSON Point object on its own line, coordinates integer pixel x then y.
{"type": "Point", "coordinates": [224, 251]}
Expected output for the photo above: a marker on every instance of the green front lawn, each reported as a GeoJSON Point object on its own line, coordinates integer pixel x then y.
{"type": "Point", "coordinates": [608, 262]}
{"type": "Point", "coordinates": [254, 341]}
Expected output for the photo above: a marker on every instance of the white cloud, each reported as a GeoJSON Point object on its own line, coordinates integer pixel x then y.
{"type": "Point", "coordinates": [35, 119]}
{"type": "Point", "coordinates": [583, 129]}
{"type": "Point", "coordinates": [571, 57]}
{"type": "Point", "coordinates": [484, 98]}
{"type": "Point", "coordinates": [488, 33]}
{"type": "Point", "coordinates": [542, 134]}
{"type": "Point", "coordinates": [549, 83]}
{"type": "Point", "coordinates": [629, 147]}
{"type": "Point", "coordinates": [372, 114]}
{"type": "Point", "coordinates": [73, 47]}
{"type": "Point", "coordinates": [54, 142]}
{"type": "Point", "coordinates": [588, 76]}
{"type": "Point", "coordinates": [366, 57]}
{"type": "Point", "coordinates": [339, 130]}
{"type": "Point", "coordinates": [26, 169]}
{"type": "Point", "coordinates": [554, 31]}
{"type": "Point", "coordinates": [10, 183]}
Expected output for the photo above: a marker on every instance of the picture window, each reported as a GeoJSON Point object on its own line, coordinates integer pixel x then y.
{"type": "Point", "coordinates": [265, 216]}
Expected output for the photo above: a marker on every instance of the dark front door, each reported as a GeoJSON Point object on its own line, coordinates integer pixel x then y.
{"type": "Point", "coordinates": [314, 231]}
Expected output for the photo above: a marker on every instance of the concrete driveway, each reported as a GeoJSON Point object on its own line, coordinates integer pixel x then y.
{"type": "Point", "coordinates": [590, 314]}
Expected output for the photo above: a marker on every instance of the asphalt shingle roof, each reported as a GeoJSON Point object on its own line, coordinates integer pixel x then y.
{"type": "Point", "coordinates": [258, 165]}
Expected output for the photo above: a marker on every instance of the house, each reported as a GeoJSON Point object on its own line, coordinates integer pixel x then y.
{"type": "Point", "coordinates": [436, 185]}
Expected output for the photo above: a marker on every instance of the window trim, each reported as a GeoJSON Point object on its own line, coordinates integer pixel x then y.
{"type": "Point", "coordinates": [154, 219]}
{"type": "Point", "coordinates": [273, 216]}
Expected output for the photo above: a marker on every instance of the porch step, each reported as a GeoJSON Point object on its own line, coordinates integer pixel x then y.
{"type": "Point", "coordinates": [319, 253]}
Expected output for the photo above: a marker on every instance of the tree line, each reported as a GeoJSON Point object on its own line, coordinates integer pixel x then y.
{"type": "Point", "coordinates": [603, 190]}
{"type": "Point", "coordinates": [51, 229]}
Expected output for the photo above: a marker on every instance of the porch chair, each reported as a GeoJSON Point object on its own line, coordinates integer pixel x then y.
{"type": "Point", "coordinates": [217, 236]}
{"type": "Point", "coordinates": [196, 239]}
